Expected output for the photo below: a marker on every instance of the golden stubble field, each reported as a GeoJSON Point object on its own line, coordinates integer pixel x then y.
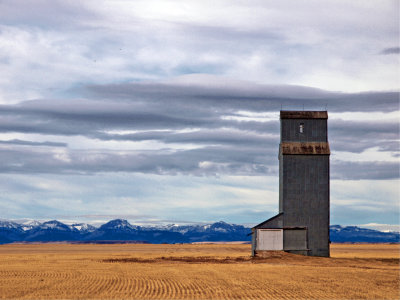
{"type": "Point", "coordinates": [204, 271]}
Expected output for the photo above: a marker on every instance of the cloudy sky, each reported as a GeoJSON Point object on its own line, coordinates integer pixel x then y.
{"type": "Point", "coordinates": [168, 111]}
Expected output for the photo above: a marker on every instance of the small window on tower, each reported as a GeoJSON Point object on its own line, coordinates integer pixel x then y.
{"type": "Point", "coordinates": [301, 128]}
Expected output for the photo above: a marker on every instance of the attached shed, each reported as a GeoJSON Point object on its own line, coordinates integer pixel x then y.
{"type": "Point", "coordinates": [269, 239]}
{"type": "Point", "coordinates": [271, 235]}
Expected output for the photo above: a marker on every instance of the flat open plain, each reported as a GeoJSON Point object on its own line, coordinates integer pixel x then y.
{"type": "Point", "coordinates": [203, 271]}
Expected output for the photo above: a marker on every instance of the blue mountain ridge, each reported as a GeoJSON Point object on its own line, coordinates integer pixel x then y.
{"type": "Point", "coordinates": [122, 231]}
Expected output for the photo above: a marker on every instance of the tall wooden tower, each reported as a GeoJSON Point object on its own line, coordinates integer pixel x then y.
{"type": "Point", "coordinates": [302, 225]}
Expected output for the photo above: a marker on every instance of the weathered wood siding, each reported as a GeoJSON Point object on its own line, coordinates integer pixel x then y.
{"type": "Point", "coordinates": [304, 181]}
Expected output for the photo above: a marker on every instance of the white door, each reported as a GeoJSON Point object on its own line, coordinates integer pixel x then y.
{"type": "Point", "coordinates": [269, 239]}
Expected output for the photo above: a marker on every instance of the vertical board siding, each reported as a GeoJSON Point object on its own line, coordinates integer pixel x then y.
{"type": "Point", "coordinates": [305, 193]}
{"type": "Point", "coordinates": [295, 239]}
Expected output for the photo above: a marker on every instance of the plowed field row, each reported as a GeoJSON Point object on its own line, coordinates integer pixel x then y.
{"type": "Point", "coordinates": [54, 271]}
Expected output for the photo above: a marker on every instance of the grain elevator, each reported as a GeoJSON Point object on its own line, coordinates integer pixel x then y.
{"type": "Point", "coordinates": [302, 225]}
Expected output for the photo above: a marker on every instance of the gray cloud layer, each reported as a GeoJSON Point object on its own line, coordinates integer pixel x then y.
{"type": "Point", "coordinates": [246, 96]}
{"type": "Point", "coordinates": [206, 118]}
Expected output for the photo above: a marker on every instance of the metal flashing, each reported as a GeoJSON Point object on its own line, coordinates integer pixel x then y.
{"type": "Point", "coordinates": [304, 114]}
{"type": "Point", "coordinates": [305, 148]}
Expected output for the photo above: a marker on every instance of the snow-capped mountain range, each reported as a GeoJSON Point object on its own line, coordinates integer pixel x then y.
{"type": "Point", "coordinates": [122, 231]}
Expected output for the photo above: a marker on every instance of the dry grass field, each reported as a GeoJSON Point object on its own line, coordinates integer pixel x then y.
{"type": "Point", "coordinates": [203, 271]}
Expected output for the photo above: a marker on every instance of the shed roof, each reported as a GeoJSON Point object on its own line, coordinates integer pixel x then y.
{"type": "Point", "coordinates": [269, 220]}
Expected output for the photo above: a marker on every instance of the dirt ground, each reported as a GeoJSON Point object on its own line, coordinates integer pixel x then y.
{"type": "Point", "coordinates": [202, 271]}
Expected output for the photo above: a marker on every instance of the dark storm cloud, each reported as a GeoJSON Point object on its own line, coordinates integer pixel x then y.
{"type": "Point", "coordinates": [388, 51]}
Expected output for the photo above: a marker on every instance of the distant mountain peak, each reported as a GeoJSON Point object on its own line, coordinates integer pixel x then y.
{"type": "Point", "coordinates": [9, 224]}
{"type": "Point", "coordinates": [222, 226]}
{"type": "Point", "coordinates": [83, 227]}
{"type": "Point", "coordinates": [28, 225]}
{"type": "Point", "coordinates": [118, 224]}
{"type": "Point", "coordinates": [31, 223]}
{"type": "Point", "coordinates": [52, 222]}
{"type": "Point", "coordinates": [55, 225]}
{"type": "Point", "coordinates": [221, 223]}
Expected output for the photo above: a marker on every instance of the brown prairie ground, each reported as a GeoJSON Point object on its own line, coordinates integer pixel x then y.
{"type": "Point", "coordinates": [66, 271]}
